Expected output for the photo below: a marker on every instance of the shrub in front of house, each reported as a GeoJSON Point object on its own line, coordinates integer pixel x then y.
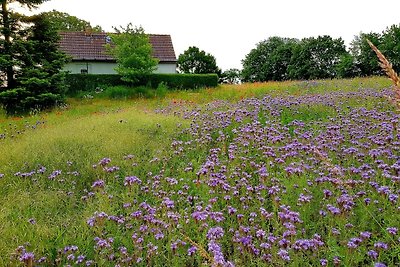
{"type": "Point", "coordinates": [183, 81]}
{"type": "Point", "coordinates": [78, 83]}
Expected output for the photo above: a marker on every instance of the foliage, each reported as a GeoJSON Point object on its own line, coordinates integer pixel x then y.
{"type": "Point", "coordinates": [132, 49]}
{"type": "Point", "coordinates": [90, 82]}
{"type": "Point", "coordinates": [30, 62]}
{"type": "Point", "coordinates": [346, 67]}
{"type": "Point", "coordinates": [182, 81]}
{"type": "Point", "coordinates": [196, 61]}
{"type": "Point", "coordinates": [269, 61]}
{"type": "Point", "coordinates": [66, 23]}
{"type": "Point", "coordinates": [364, 58]}
{"type": "Point", "coordinates": [316, 58]}
{"type": "Point", "coordinates": [277, 59]}
{"type": "Point", "coordinates": [391, 45]}
{"type": "Point", "coordinates": [231, 76]}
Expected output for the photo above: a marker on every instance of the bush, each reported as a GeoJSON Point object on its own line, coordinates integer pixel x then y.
{"type": "Point", "coordinates": [161, 90]}
{"type": "Point", "coordinates": [78, 83]}
{"type": "Point", "coordinates": [182, 81]}
{"type": "Point", "coordinates": [89, 83]}
{"type": "Point", "coordinates": [21, 100]}
{"type": "Point", "coordinates": [118, 92]}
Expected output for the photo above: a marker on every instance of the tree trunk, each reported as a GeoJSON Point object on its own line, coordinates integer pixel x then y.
{"type": "Point", "coordinates": [11, 83]}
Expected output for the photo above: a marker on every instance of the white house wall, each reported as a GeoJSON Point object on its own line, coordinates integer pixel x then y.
{"type": "Point", "coordinates": [109, 67]}
{"type": "Point", "coordinates": [166, 68]}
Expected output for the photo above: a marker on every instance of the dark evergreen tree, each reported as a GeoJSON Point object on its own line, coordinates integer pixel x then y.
{"type": "Point", "coordinates": [30, 61]}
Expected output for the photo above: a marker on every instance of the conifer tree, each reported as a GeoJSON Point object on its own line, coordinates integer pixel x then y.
{"type": "Point", "coordinates": [30, 61]}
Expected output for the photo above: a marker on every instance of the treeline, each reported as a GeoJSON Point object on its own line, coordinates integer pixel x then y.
{"type": "Point", "coordinates": [322, 57]}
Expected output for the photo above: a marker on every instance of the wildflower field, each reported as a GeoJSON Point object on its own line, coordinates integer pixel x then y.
{"type": "Point", "coordinates": [274, 174]}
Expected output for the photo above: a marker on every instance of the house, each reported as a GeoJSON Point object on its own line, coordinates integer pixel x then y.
{"type": "Point", "coordinates": [89, 54]}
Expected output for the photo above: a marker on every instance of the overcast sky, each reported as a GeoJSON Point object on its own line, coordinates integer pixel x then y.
{"type": "Point", "coordinates": [229, 29]}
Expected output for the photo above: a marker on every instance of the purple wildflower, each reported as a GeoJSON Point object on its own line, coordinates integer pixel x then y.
{"type": "Point", "coordinates": [381, 245]}
{"type": "Point", "coordinates": [373, 254]}
{"type": "Point", "coordinates": [192, 250]}
{"type": "Point", "coordinates": [215, 233]}
{"type": "Point", "coordinates": [392, 230]}
{"type": "Point", "coordinates": [98, 184]}
{"type": "Point", "coordinates": [27, 257]}
{"type": "Point", "coordinates": [103, 162]}
{"type": "Point", "coordinates": [284, 255]}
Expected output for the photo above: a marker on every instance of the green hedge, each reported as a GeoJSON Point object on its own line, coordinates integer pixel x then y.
{"type": "Point", "coordinates": [89, 82]}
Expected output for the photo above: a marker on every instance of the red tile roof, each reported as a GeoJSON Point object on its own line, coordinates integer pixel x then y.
{"type": "Point", "coordinates": [91, 46]}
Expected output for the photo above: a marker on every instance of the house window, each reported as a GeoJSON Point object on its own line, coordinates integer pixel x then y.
{"type": "Point", "coordinates": [84, 71]}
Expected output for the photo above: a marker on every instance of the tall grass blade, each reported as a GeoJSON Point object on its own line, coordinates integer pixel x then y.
{"type": "Point", "coordinates": [390, 72]}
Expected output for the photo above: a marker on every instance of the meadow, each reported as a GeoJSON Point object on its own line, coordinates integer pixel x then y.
{"type": "Point", "coordinates": [302, 173]}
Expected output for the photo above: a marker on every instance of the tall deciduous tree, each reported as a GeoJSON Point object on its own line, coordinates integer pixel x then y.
{"type": "Point", "coordinates": [231, 76]}
{"type": "Point", "coordinates": [269, 60]}
{"type": "Point", "coordinates": [365, 58]}
{"type": "Point", "coordinates": [316, 58]}
{"type": "Point", "coordinates": [391, 45]}
{"type": "Point", "coordinates": [30, 61]}
{"type": "Point", "coordinates": [197, 61]}
{"type": "Point", "coordinates": [132, 49]}
{"type": "Point", "coordinates": [64, 22]}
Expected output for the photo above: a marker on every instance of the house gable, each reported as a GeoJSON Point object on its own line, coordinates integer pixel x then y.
{"type": "Point", "coordinates": [89, 49]}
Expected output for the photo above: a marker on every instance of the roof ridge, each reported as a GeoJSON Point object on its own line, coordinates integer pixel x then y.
{"type": "Point", "coordinates": [91, 46]}
{"type": "Point", "coordinates": [102, 33]}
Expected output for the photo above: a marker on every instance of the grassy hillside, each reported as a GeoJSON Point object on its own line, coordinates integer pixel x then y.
{"type": "Point", "coordinates": [294, 173]}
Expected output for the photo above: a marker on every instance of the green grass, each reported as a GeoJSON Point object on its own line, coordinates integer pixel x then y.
{"type": "Point", "coordinates": [83, 138]}
{"type": "Point", "coordinates": [118, 122]}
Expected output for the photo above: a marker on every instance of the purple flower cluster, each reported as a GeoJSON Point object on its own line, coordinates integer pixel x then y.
{"type": "Point", "coordinates": [269, 181]}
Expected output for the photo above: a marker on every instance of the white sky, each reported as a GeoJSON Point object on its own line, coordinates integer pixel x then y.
{"type": "Point", "coordinates": [229, 29]}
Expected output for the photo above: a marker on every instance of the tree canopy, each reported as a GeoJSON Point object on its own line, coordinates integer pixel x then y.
{"type": "Point", "coordinates": [132, 49]}
{"type": "Point", "coordinates": [269, 60]}
{"type": "Point", "coordinates": [231, 76]}
{"type": "Point", "coordinates": [320, 57]}
{"type": "Point", "coordinates": [364, 57]}
{"type": "Point", "coordinates": [30, 61]}
{"type": "Point", "coordinates": [197, 61]}
{"type": "Point", "coordinates": [64, 22]}
{"type": "Point", "coordinates": [316, 58]}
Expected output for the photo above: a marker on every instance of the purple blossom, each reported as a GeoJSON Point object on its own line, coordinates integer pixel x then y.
{"type": "Point", "coordinates": [381, 245]}
{"type": "Point", "coordinates": [373, 254]}
{"type": "Point", "coordinates": [54, 174]}
{"type": "Point", "coordinates": [103, 162]}
{"type": "Point", "coordinates": [392, 230]}
{"type": "Point", "coordinates": [27, 257]}
{"type": "Point", "coordinates": [284, 254]}
{"type": "Point", "coordinates": [192, 250]}
{"type": "Point", "coordinates": [98, 184]}
{"type": "Point", "coordinates": [365, 235]}
{"type": "Point", "coordinates": [215, 233]}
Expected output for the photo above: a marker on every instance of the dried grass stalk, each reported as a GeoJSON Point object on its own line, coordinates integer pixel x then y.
{"type": "Point", "coordinates": [390, 72]}
{"type": "Point", "coordinates": [203, 252]}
